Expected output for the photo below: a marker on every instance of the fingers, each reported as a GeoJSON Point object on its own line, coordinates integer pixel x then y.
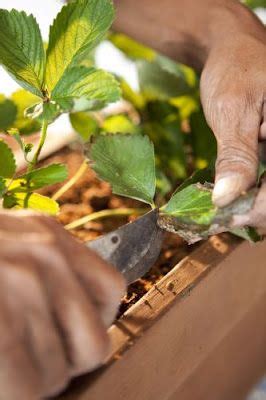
{"type": "Point", "coordinates": [257, 216]}
{"type": "Point", "coordinates": [236, 125]}
{"type": "Point", "coordinates": [103, 283]}
{"type": "Point", "coordinates": [65, 295]}
{"type": "Point", "coordinates": [41, 339]}
{"type": "Point", "coordinates": [84, 335]}
{"type": "Point", "coordinates": [18, 377]}
{"type": "Point", "coordinates": [236, 170]}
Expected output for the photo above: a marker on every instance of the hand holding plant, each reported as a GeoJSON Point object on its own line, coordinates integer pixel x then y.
{"type": "Point", "coordinates": [227, 42]}
{"type": "Point", "coordinates": [127, 162]}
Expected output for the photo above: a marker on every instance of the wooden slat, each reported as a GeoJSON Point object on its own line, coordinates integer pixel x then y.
{"type": "Point", "coordinates": [184, 328]}
{"type": "Point", "coordinates": [235, 365]}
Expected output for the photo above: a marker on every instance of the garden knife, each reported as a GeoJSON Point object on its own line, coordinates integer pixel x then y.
{"type": "Point", "coordinates": [133, 248]}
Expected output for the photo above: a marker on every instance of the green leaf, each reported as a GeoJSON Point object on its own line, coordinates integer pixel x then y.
{"type": "Point", "coordinates": [84, 124]}
{"type": "Point", "coordinates": [82, 104]}
{"type": "Point", "coordinates": [191, 214]}
{"type": "Point", "coordinates": [133, 97]}
{"type": "Point", "coordinates": [21, 49]}
{"type": "Point", "coordinates": [158, 83]}
{"type": "Point", "coordinates": [119, 124]}
{"type": "Point", "coordinates": [89, 83]}
{"type": "Point", "coordinates": [203, 140]}
{"type": "Point", "coordinates": [7, 161]}
{"type": "Point", "coordinates": [24, 100]}
{"type": "Point", "coordinates": [49, 111]}
{"type": "Point", "coordinates": [25, 147]}
{"type": "Point", "coordinates": [127, 163]}
{"type": "Point", "coordinates": [181, 71]}
{"type": "Point", "coordinates": [45, 176]}
{"type": "Point", "coordinates": [201, 176]}
{"type": "Point", "coordinates": [9, 201]}
{"type": "Point", "coordinates": [77, 29]}
{"type": "Point", "coordinates": [193, 203]}
{"type": "Point", "coordinates": [2, 187]}
{"type": "Point", "coordinates": [132, 48]}
{"type": "Point", "coordinates": [164, 129]}
{"type": "Point", "coordinates": [34, 201]}
{"type": "Point", "coordinates": [248, 233]}
{"type": "Point", "coordinates": [186, 105]}
{"type": "Point", "coordinates": [163, 185]}
{"type": "Point", "coordinates": [255, 3]}
{"type": "Point", "coordinates": [8, 113]}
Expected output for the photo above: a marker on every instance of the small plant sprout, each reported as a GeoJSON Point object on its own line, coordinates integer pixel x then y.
{"type": "Point", "coordinates": [59, 81]}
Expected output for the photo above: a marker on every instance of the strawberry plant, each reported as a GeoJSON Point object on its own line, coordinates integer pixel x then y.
{"type": "Point", "coordinates": [127, 163]}
{"type": "Point", "coordinates": [166, 107]}
{"type": "Point", "coordinates": [55, 80]}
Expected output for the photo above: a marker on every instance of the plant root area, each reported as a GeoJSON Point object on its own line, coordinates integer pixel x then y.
{"type": "Point", "coordinates": [89, 195]}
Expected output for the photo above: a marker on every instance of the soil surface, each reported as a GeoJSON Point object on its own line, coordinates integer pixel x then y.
{"type": "Point", "coordinates": [90, 194]}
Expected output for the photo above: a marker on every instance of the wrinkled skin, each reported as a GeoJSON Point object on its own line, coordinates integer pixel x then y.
{"type": "Point", "coordinates": [56, 297]}
{"type": "Point", "coordinates": [233, 94]}
{"type": "Point", "coordinates": [227, 43]}
{"type": "Point", "coordinates": [56, 300]}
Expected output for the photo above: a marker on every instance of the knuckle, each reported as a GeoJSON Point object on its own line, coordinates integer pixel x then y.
{"type": "Point", "coordinates": [228, 106]}
{"type": "Point", "coordinates": [238, 156]}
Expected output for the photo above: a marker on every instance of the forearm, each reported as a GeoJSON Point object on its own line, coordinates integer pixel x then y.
{"type": "Point", "coordinates": [185, 30]}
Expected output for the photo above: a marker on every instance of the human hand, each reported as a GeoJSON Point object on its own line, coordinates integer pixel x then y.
{"type": "Point", "coordinates": [233, 93]}
{"type": "Point", "coordinates": [56, 300]}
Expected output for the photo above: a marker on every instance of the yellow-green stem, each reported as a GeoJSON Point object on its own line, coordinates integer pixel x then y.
{"type": "Point", "coordinates": [82, 169]}
{"type": "Point", "coordinates": [40, 146]}
{"type": "Point", "coordinates": [119, 212]}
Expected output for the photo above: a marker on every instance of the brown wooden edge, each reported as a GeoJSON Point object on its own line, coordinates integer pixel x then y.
{"type": "Point", "coordinates": [149, 326]}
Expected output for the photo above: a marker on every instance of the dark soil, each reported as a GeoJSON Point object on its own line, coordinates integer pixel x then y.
{"type": "Point", "coordinates": [90, 194]}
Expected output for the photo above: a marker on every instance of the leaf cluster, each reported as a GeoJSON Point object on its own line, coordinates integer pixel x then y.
{"type": "Point", "coordinates": [18, 191]}
{"type": "Point", "coordinates": [127, 163]}
{"type": "Point", "coordinates": [59, 75]}
{"type": "Point", "coordinates": [56, 78]}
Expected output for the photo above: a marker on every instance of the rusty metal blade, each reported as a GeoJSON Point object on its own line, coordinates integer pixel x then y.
{"type": "Point", "coordinates": [133, 248]}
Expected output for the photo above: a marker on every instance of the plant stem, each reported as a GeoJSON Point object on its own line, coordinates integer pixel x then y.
{"type": "Point", "coordinates": [82, 169]}
{"type": "Point", "coordinates": [119, 212]}
{"type": "Point", "coordinates": [40, 146]}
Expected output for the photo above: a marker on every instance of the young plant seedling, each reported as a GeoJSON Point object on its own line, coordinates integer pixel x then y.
{"type": "Point", "coordinates": [127, 163]}
{"type": "Point", "coordinates": [58, 79]}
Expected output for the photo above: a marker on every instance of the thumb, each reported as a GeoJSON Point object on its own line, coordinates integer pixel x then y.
{"type": "Point", "coordinates": [237, 159]}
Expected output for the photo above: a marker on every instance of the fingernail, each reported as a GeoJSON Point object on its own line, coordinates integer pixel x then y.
{"type": "Point", "coordinates": [227, 189]}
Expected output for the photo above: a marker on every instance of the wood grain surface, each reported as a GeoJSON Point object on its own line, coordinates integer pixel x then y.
{"type": "Point", "coordinates": [198, 335]}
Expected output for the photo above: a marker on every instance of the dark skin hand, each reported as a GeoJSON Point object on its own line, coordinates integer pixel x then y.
{"type": "Point", "coordinates": [56, 300]}
{"type": "Point", "coordinates": [57, 297]}
{"type": "Point", "coordinates": [227, 43]}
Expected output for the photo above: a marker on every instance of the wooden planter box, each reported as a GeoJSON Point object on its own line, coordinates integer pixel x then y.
{"type": "Point", "coordinates": [200, 334]}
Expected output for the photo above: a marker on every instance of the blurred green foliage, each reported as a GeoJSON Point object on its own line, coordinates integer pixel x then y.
{"type": "Point", "coordinates": [168, 106]}
{"type": "Point", "coordinates": [255, 3]}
